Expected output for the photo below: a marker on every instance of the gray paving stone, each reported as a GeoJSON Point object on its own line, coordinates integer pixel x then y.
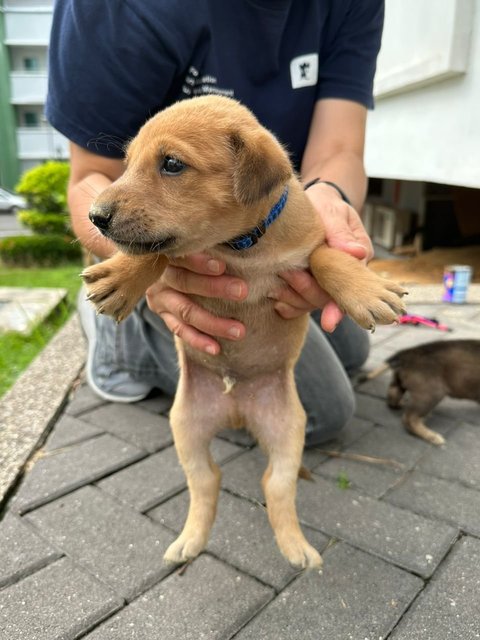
{"type": "Point", "coordinates": [354, 597]}
{"type": "Point", "coordinates": [57, 474]}
{"type": "Point", "coordinates": [69, 430]}
{"type": "Point", "coordinates": [448, 608]}
{"type": "Point", "coordinates": [159, 403]}
{"type": "Point", "coordinates": [377, 411]}
{"type": "Point", "coordinates": [460, 410]}
{"type": "Point", "coordinates": [396, 444]}
{"type": "Point", "coordinates": [122, 548]}
{"type": "Point", "coordinates": [415, 336]}
{"type": "Point", "coordinates": [150, 481]}
{"type": "Point", "coordinates": [377, 386]}
{"type": "Point", "coordinates": [355, 428]}
{"type": "Point", "coordinates": [83, 399]}
{"type": "Point", "coordinates": [237, 436]}
{"type": "Point", "coordinates": [243, 475]}
{"type": "Point", "coordinates": [241, 536]}
{"type": "Point", "coordinates": [441, 499]}
{"type": "Point", "coordinates": [351, 432]}
{"type": "Point", "coordinates": [383, 333]}
{"type": "Point", "coordinates": [58, 602]}
{"type": "Point", "coordinates": [23, 551]}
{"type": "Point", "coordinates": [407, 539]}
{"type": "Point", "coordinates": [29, 408]}
{"type": "Point", "coordinates": [147, 482]}
{"type": "Point", "coordinates": [458, 459]}
{"type": "Point", "coordinates": [313, 456]}
{"type": "Point", "coordinates": [211, 600]}
{"type": "Point", "coordinates": [374, 480]}
{"type": "Point", "coordinates": [133, 424]}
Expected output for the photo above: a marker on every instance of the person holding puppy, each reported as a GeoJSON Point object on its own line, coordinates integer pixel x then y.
{"type": "Point", "coordinates": [305, 69]}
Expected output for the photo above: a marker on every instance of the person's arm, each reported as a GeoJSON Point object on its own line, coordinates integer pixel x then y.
{"type": "Point", "coordinates": [334, 152]}
{"type": "Point", "coordinates": [335, 148]}
{"type": "Point", "coordinates": [90, 174]}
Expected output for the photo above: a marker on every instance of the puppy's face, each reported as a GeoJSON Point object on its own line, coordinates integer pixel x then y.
{"type": "Point", "coordinates": [198, 174]}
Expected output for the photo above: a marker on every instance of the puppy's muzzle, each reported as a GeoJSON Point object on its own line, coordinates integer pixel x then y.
{"type": "Point", "coordinates": [101, 215]}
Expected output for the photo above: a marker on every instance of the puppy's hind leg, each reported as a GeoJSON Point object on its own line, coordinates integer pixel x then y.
{"type": "Point", "coordinates": [395, 392]}
{"type": "Point", "coordinates": [280, 483]}
{"type": "Point", "coordinates": [418, 406]}
{"type": "Point", "coordinates": [203, 477]}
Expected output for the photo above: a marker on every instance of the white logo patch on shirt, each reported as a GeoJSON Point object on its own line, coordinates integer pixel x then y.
{"type": "Point", "coordinates": [304, 70]}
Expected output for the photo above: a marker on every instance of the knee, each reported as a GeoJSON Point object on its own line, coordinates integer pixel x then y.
{"type": "Point", "coordinates": [360, 354]}
{"type": "Point", "coordinates": [325, 420]}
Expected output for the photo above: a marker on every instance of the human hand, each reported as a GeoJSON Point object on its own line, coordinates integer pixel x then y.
{"type": "Point", "coordinates": [197, 274]}
{"type": "Point", "coordinates": [344, 230]}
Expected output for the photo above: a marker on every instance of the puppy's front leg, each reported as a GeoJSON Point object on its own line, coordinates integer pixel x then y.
{"type": "Point", "coordinates": [115, 285]}
{"type": "Point", "coordinates": [359, 292]}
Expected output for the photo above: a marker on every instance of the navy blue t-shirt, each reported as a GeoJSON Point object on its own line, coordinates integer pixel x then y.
{"type": "Point", "coordinates": [115, 63]}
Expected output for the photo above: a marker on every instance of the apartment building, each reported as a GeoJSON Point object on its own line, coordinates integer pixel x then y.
{"type": "Point", "coordinates": [423, 137]}
{"type": "Point", "coordinates": [26, 137]}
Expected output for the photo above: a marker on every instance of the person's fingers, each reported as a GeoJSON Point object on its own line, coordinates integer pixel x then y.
{"type": "Point", "coordinates": [308, 296]}
{"type": "Point", "coordinates": [221, 286]}
{"type": "Point", "coordinates": [171, 303]}
{"type": "Point", "coordinates": [191, 336]}
{"type": "Point", "coordinates": [289, 297]}
{"type": "Point", "coordinates": [305, 285]}
{"type": "Point", "coordinates": [201, 263]}
{"type": "Point", "coordinates": [331, 316]}
{"type": "Point", "coordinates": [288, 312]}
{"type": "Point", "coordinates": [348, 234]}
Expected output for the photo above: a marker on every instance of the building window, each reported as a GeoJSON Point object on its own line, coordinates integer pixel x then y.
{"type": "Point", "coordinates": [31, 64]}
{"type": "Point", "coordinates": [30, 119]}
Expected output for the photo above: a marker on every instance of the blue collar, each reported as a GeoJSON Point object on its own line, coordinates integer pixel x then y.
{"type": "Point", "coordinates": [247, 240]}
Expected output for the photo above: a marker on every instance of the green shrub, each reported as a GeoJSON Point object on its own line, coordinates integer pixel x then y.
{"type": "Point", "coordinates": [45, 187]}
{"type": "Point", "coordinates": [38, 250]}
{"type": "Point", "coordinates": [56, 223]}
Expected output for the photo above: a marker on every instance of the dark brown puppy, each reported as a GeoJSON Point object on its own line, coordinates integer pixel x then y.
{"type": "Point", "coordinates": [429, 373]}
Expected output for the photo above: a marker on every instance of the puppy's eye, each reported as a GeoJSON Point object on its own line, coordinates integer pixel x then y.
{"type": "Point", "coordinates": [172, 166]}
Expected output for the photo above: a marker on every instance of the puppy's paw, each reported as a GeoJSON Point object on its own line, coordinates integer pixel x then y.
{"type": "Point", "coordinates": [373, 301]}
{"type": "Point", "coordinates": [435, 438]}
{"type": "Point", "coordinates": [299, 552]}
{"type": "Point", "coordinates": [108, 291]}
{"type": "Point", "coordinates": [415, 425]}
{"type": "Point", "coordinates": [184, 548]}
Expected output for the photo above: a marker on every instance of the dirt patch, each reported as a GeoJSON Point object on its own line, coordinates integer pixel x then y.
{"type": "Point", "coordinates": [427, 268]}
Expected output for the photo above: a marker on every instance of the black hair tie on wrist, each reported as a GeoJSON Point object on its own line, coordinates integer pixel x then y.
{"type": "Point", "coordinates": [340, 192]}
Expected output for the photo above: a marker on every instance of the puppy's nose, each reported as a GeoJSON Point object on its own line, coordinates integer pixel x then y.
{"type": "Point", "coordinates": [101, 215]}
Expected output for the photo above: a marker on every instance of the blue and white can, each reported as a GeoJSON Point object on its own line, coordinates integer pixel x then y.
{"type": "Point", "coordinates": [456, 278]}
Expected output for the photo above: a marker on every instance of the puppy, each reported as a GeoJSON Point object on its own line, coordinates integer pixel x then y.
{"type": "Point", "coordinates": [429, 373]}
{"type": "Point", "coordinates": [203, 175]}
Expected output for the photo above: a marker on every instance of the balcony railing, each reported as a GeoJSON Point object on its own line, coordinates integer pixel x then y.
{"type": "Point", "coordinates": [41, 143]}
{"type": "Point", "coordinates": [28, 88]}
{"type": "Point", "coordinates": [28, 27]}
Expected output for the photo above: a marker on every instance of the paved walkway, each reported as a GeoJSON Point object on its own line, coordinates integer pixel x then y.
{"type": "Point", "coordinates": [83, 535]}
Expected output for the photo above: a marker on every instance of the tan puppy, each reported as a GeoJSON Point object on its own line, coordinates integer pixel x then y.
{"type": "Point", "coordinates": [199, 174]}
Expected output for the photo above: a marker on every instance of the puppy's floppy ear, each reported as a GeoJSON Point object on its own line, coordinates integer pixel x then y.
{"type": "Point", "coordinates": [260, 165]}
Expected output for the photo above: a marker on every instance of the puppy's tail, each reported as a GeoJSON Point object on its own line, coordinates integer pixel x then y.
{"type": "Point", "coordinates": [375, 373]}
{"type": "Point", "coordinates": [305, 474]}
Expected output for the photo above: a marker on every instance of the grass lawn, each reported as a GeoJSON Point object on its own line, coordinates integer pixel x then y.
{"type": "Point", "coordinates": [17, 351]}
